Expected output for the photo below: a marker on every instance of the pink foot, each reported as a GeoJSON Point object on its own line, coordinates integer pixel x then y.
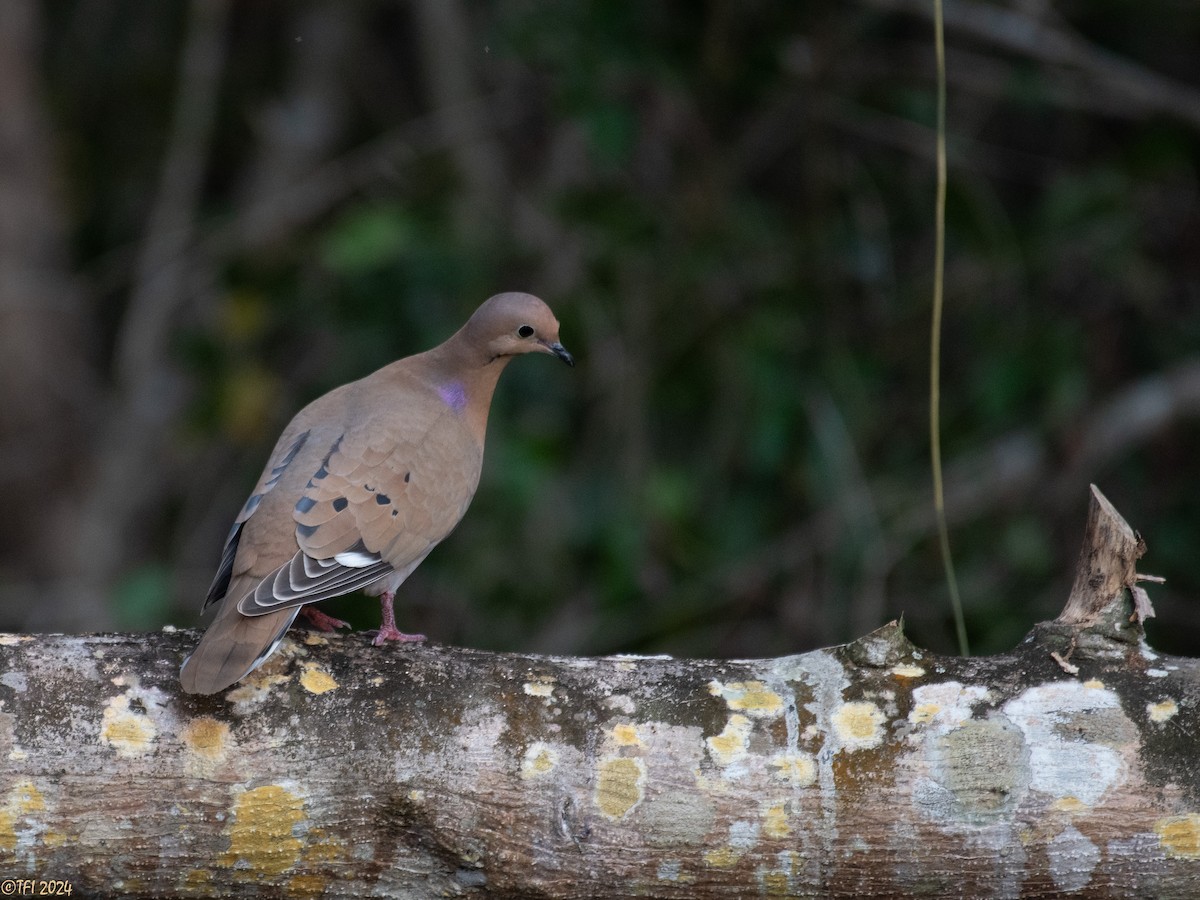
{"type": "Point", "coordinates": [383, 635]}
{"type": "Point", "coordinates": [387, 628]}
{"type": "Point", "coordinates": [320, 620]}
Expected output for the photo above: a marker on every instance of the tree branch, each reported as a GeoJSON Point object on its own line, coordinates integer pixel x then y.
{"type": "Point", "coordinates": [873, 769]}
{"type": "Point", "coordinates": [1018, 32]}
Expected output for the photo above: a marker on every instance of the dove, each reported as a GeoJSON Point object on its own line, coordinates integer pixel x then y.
{"type": "Point", "coordinates": [363, 483]}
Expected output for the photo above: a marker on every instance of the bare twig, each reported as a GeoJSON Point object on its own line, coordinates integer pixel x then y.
{"type": "Point", "coordinates": [1055, 44]}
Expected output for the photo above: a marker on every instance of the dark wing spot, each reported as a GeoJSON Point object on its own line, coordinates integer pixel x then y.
{"type": "Point", "coordinates": [407, 477]}
{"type": "Point", "coordinates": [306, 531]}
{"type": "Point", "coordinates": [395, 512]}
{"type": "Point", "coordinates": [340, 503]}
{"type": "Point", "coordinates": [367, 487]}
{"type": "Point", "coordinates": [324, 470]}
{"type": "Point", "coordinates": [304, 504]}
{"type": "Point", "coordinates": [383, 499]}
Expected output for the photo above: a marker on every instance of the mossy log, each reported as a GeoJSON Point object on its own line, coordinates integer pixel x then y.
{"type": "Point", "coordinates": [873, 769]}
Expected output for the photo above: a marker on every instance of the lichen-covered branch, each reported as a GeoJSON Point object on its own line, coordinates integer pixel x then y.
{"type": "Point", "coordinates": [343, 770]}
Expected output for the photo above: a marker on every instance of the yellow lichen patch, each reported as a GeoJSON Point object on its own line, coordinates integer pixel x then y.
{"type": "Point", "coordinates": [775, 823]}
{"type": "Point", "coordinates": [539, 687]}
{"type": "Point", "coordinates": [1162, 711]}
{"type": "Point", "coordinates": [52, 839]}
{"type": "Point", "coordinates": [305, 886]}
{"type": "Point", "coordinates": [1094, 684]}
{"type": "Point", "coordinates": [1180, 835]}
{"type": "Point", "coordinates": [924, 712]}
{"type": "Point", "coordinates": [129, 733]}
{"type": "Point", "coordinates": [723, 857]}
{"type": "Point", "coordinates": [11, 640]}
{"type": "Point", "coordinates": [1069, 805]}
{"type": "Point", "coordinates": [206, 737]}
{"type": "Point", "coordinates": [540, 759]}
{"type": "Point", "coordinates": [312, 639]}
{"type": "Point", "coordinates": [261, 835]}
{"type": "Point", "coordinates": [8, 831]}
{"type": "Point", "coordinates": [752, 697]}
{"type": "Point", "coordinates": [795, 768]}
{"type": "Point", "coordinates": [323, 849]}
{"type": "Point", "coordinates": [730, 744]}
{"type": "Point", "coordinates": [619, 787]}
{"type": "Point", "coordinates": [775, 884]}
{"type": "Point", "coordinates": [26, 799]}
{"type": "Point", "coordinates": [198, 882]}
{"type": "Point", "coordinates": [626, 736]}
{"type": "Point", "coordinates": [316, 680]}
{"type": "Point", "coordinates": [907, 671]}
{"type": "Point", "coordinates": [858, 725]}
{"type": "Point", "coordinates": [22, 801]}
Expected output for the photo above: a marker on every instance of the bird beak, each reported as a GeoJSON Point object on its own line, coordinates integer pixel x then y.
{"type": "Point", "coordinates": [561, 352]}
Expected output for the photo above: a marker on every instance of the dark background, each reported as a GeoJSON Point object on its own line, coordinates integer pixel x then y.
{"type": "Point", "coordinates": [211, 212]}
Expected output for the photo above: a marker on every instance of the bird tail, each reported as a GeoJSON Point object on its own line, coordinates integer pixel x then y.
{"type": "Point", "coordinates": [233, 646]}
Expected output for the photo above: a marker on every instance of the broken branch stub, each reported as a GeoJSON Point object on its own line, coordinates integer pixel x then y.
{"type": "Point", "coordinates": [1107, 564]}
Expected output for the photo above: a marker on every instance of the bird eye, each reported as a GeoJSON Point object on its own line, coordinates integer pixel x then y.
{"type": "Point", "coordinates": [525, 331]}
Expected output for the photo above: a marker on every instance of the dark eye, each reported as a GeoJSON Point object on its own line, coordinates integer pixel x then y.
{"type": "Point", "coordinates": [525, 331]}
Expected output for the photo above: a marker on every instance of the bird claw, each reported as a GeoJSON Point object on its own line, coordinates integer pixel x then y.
{"type": "Point", "coordinates": [383, 635]}
{"type": "Point", "coordinates": [321, 621]}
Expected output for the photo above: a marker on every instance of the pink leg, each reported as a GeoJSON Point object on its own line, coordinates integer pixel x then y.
{"type": "Point", "coordinates": [387, 628]}
{"type": "Point", "coordinates": [320, 620]}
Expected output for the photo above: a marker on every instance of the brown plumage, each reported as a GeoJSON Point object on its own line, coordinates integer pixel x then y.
{"type": "Point", "coordinates": [361, 485]}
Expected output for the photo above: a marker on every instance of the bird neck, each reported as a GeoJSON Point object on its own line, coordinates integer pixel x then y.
{"type": "Point", "coordinates": [465, 379]}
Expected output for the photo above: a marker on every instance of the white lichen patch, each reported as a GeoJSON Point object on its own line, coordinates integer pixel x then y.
{"type": "Point", "coordinates": [251, 691]}
{"type": "Point", "coordinates": [11, 640]}
{"type": "Point", "coordinates": [539, 687]}
{"type": "Point", "coordinates": [539, 759]}
{"type": "Point", "coordinates": [947, 704]}
{"type": "Point", "coordinates": [858, 725]}
{"type": "Point", "coordinates": [15, 680]}
{"type": "Point", "coordinates": [730, 745]}
{"type": "Point", "coordinates": [128, 731]}
{"type": "Point", "coordinates": [1157, 673]}
{"type": "Point", "coordinates": [1162, 711]}
{"type": "Point", "coordinates": [1070, 729]}
{"type": "Point", "coordinates": [621, 703]}
{"type": "Point", "coordinates": [1072, 859]}
{"type": "Point", "coordinates": [743, 835]}
{"type": "Point", "coordinates": [753, 698]}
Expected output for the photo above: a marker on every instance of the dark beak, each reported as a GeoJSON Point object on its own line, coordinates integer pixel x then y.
{"type": "Point", "coordinates": [561, 352]}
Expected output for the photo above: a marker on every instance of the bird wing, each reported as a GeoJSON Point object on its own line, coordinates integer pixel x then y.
{"type": "Point", "coordinates": [285, 452]}
{"type": "Point", "coordinates": [386, 492]}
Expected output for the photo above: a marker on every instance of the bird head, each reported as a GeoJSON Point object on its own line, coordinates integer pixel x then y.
{"type": "Point", "coordinates": [512, 324]}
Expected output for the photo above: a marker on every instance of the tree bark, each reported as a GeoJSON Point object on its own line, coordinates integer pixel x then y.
{"type": "Point", "coordinates": [873, 769]}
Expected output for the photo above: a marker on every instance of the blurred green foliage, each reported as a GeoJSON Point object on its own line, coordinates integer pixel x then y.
{"type": "Point", "coordinates": [729, 207]}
